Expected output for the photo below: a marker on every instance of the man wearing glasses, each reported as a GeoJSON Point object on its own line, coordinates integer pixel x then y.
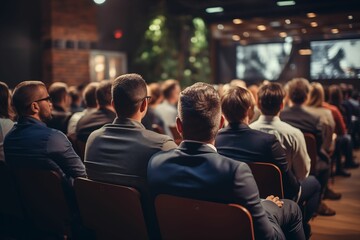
{"type": "Point", "coordinates": [121, 150]}
{"type": "Point", "coordinates": [31, 144]}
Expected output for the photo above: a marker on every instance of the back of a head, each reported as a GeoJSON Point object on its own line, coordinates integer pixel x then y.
{"type": "Point", "coordinates": [200, 112]}
{"type": "Point", "coordinates": [89, 95]}
{"type": "Point", "coordinates": [270, 98]}
{"type": "Point", "coordinates": [235, 104]}
{"type": "Point", "coordinates": [335, 95]}
{"type": "Point", "coordinates": [58, 91]}
{"type": "Point", "coordinates": [24, 94]}
{"type": "Point", "coordinates": [128, 91]}
{"type": "Point", "coordinates": [168, 87]}
{"type": "Point", "coordinates": [103, 93]}
{"type": "Point", "coordinates": [316, 95]}
{"type": "Point", "coordinates": [4, 101]}
{"type": "Point", "coordinates": [237, 83]}
{"type": "Point", "coordinates": [155, 93]}
{"type": "Point", "coordinates": [298, 89]}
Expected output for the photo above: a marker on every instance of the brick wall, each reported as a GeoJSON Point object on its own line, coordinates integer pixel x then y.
{"type": "Point", "coordinates": [69, 32]}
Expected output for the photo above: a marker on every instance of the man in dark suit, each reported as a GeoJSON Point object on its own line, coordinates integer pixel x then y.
{"type": "Point", "coordinates": [238, 141]}
{"type": "Point", "coordinates": [196, 170]}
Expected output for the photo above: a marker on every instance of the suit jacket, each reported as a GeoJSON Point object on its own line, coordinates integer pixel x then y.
{"type": "Point", "coordinates": [240, 142]}
{"type": "Point", "coordinates": [196, 170]}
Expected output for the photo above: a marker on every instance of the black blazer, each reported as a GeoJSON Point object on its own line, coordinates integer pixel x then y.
{"type": "Point", "coordinates": [196, 170]}
{"type": "Point", "coordinates": [240, 142]}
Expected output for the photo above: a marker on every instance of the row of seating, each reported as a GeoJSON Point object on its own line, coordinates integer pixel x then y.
{"type": "Point", "coordinates": [115, 212]}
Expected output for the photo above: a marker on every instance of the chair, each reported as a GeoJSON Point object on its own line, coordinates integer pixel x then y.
{"type": "Point", "coordinates": [312, 150]}
{"type": "Point", "coordinates": [268, 178]}
{"type": "Point", "coordinates": [44, 200]}
{"type": "Point", "coordinates": [176, 135]}
{"type": "Point", "coordinates": [112, 211]}
{"type": "Point", "coordinates": [183, 218]}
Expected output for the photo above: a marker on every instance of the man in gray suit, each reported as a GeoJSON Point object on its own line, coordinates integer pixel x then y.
{"type": "Point", "coordinates": [119, 152]}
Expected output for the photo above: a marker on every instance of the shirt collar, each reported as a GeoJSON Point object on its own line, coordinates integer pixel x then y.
{"type": "Point", "coordinates": [269, 118]}
{"type": "Point", "coordinates": [207, 144]}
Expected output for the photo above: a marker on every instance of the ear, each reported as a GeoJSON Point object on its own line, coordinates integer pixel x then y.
{"type": "Point", "coordinates": [143, 106]}
{"type": "Point", "coordinates": [34, 107]}
{"type": "Point", "coordinates": [250, 112]}
{"type": "Point", "coordinates": [179, 126]}
{"type": "Point", "coordinates": [282, 106]}
{"type": "Point", "coordinates": [222, 121]}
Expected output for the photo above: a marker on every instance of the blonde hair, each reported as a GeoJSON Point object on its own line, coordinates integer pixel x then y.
{"type": "Point", "coordinates": [316, 95]}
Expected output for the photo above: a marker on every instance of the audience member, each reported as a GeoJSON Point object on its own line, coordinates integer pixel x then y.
{"type": "Point", "coordinates": [30, 144]}
{"type": "Point", "coordinates": [254, 91]}
{"type": "Point", "coordinates": [125, 146]}
{"type": "Point", "coordinates": [60, 98]}
{"type": "Point", "coordinates": [167, 109]}
{"type": "Point", "coordinates": [152, 120]}
{"type": "Point", "coordinates": [89, 96]}
{"type": "Point", "coordinates": [297, 116]}
{"type": "Point", "coordinates": [93, 120]}
{"type": "Point", "coordinates": [6, 116]}
{"type": "Point", "coordinates": [196, 170]}
{"type": "Point", "coordinates": [270, 102]}
{"type": "Point", "coordinates": [238, 141]}
{"type": "Point", "coordinates": [76, 100]}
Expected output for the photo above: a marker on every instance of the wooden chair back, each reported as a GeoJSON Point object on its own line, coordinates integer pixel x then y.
{"type": "Point", "coordinates": [268, 178]}
{"type": "Point", "coordinates": [111, 211]}
{"type": "Point", "coordinates": [311, 147]}
{"type": "Point", "coordinates": [44, 200]}
{"type": "Point", "coordinates": [183, 218]}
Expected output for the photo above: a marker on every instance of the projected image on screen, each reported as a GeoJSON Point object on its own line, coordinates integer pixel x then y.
{"type": "Point", "coordinates": [335, 59]}
{"type": "Point", "coordinates": [261, 61]}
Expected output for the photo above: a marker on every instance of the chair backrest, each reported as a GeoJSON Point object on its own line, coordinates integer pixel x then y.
{"type": "Point", "coordinates": [10, 204]}
{"type": "Point", "coordinates": [312, 150]}
{"type": "Point", "coordinates": [44, 200]}
{"type": "Point", "coordinates": [183, 218]}
{"type": "Point", "coordinates": [268, 178]}
{"type": "Point", "coordinates": [112, 211]}
{"type": "Point", "coordinates": [176, 135]}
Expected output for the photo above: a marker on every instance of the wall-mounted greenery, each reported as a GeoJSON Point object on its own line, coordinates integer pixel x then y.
{"type": "Point", "coordinates": [175, 47]}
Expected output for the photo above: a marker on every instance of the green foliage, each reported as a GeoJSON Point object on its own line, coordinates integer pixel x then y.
{"type": "Point", "coordinates": [175, 47]}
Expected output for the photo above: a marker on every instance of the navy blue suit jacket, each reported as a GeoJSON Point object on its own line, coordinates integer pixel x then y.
{"type": "Point", "coordinates": [195, 170]}
{"type": "Point", "coordinates": [240, 142]}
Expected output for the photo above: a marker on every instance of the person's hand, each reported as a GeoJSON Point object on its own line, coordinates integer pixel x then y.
{"type": "Point", "coordinates": [275, 200]}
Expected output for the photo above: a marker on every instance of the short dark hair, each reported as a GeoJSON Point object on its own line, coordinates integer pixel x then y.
{"type": "Point", "coordinates": [5, 106]}
{"type": "Point", "coordinates": [235, 103]}
{"type": "Point", "coordinates": [270, 98]}
{"type": "Point", "coordinates": [298, 90]}
{"type": "Point", "coordinates": [168, 87]}
{"type": "Point", "coordinates": [200, 112]}
{"type": "Point", "coordinates": [128, 91]}
{"type": "Point", "coordinates": [89, 95]}
{"type": "Point", "coordinates": [103, 93]}
{"type": "Point", "coordinates": [24, 94]}
{"type": "Point", "coordinates": [58, 91]}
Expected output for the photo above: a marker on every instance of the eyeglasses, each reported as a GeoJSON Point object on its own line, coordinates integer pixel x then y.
{"type": "Point", "coordinates": [48, 98]}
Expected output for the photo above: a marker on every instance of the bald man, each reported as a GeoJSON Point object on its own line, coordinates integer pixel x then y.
{"type": "Point", "coordinates": [31, 144]}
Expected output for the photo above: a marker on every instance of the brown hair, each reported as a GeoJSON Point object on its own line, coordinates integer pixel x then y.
{"type": "Point", "coordinates": [235, 103]}
{"type": "Point", "coordinates": [58, 91]}
{"type": "Point", "coordinates": [5, 103]}
{"type": "Point", "coordinates": [270, 98]}
{"type": "Point", "coordinates": [298, 89]}
{"type": "Point", "coordinates": [316, 95]}
{"type": "Point", "coordinates": [89, 94]}
{"type": "Point", "coordinates": [103, 93]}
{"type": "Point", "coordinates": [24, 94]}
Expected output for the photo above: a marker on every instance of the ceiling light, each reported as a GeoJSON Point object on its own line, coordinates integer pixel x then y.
{"type": "Point", "coordinates": [246, 34]}
{"type": "Point", "coordinates": [303, 30]}
{"type": "Point", "coordinates": [283, 34]}
{"type": "Point", "coordinates": [334, 30]}
{"type": "Point", "coordinates": [220, 26]}
{"type": "Point", "coordinates": [287, 21]}
{"type": "Point", "coordinates": [214, 10]}
{"type": "Point", "coordinates": [313, 24]}
{"type": "Point", "coordinates": [311, 15]}
{"type": "Point", "coordinates": [99, 1]}
{"type": "Point", "coordinates": [285, 3]}
{"type": "Point", "coordinates": [305, 51]}
{"type": "Point", "coordinates": [237, 21]}
{"type": "Point", "coordinates": [350, 17]}
{"type": "Point", "coordinates": [236, 37]}
{"type": "Point", "coordinates": [288, 39]}
{"type": "Point", "coordinates": [261, 27]}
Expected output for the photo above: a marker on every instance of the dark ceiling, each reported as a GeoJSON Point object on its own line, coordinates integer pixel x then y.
{"type": "Point", "coordinates": [333, 19]}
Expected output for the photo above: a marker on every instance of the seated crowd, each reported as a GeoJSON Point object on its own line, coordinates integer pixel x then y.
{"type": "Point", "coordinates": [121, 134]}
